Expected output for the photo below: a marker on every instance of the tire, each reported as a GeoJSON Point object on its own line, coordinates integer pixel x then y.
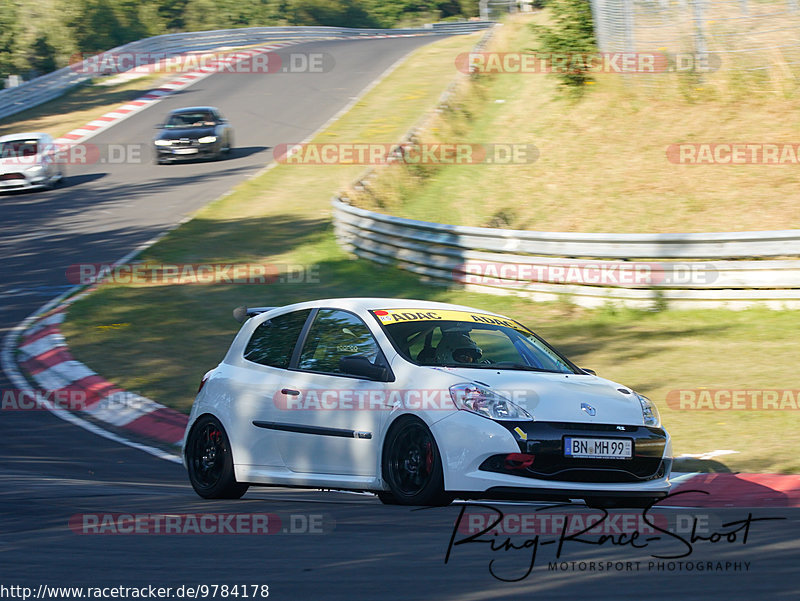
{"type": "Point", "coordinates": [224, 151]}
{"type": "Point", "coordinates": [412, 466]}
{"type": "Point", "coordinates": [52, 182]}
{"type": "Point", "coordinates": [209, 461]}
{"type": "Point", "coordinates": [387, 498]}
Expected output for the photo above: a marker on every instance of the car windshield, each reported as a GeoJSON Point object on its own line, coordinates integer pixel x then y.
{"type": "Point", "coordinates": [194, 119]}
{"type": "Point", "coordinates": [462, 339]}
{"type": "Point", "coordinates": [19, 148]}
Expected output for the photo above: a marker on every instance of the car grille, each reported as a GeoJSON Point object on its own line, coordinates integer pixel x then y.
{"type": "Point", "coordinates": [184, 143]}
{"type": "Point", "coordinates": [11, 176]}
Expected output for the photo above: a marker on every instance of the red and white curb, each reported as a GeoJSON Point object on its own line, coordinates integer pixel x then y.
{"type": "Point", "coordinates": [45, 357]}
{"type": "Point", "coordinates": [735, 490]}
{"type": "Point", "coordinates": [42, 348]}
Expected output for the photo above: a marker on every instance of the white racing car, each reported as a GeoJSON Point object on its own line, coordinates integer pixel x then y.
{"type": "Point", "coordinates": [419, 402]}
{"type": "Point", "coordinates": [29, 161]}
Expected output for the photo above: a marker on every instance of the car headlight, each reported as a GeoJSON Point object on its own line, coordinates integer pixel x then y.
{"type": "Point", "coordinates": [35, 169]}
{"type": "Point", "coordinates": [480, 400]}
{"type": "Point", "coordinates": [207, 139]}
{"type": "Point", "coordinates": [163, 142]}
{"type": "Point", "coordinates": [649, 411]}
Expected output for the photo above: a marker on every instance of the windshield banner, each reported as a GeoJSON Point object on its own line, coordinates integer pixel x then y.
{"type": "Point", "coordinates": [391, 316]}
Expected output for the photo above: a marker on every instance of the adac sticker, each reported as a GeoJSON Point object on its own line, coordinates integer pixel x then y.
{"type": "Point", "coordinates": [390, 316]}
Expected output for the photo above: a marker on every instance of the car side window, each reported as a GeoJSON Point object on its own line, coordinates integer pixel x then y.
{"type": "Point", "coordinates": [333, 335]}
{"type": "Point", "coordinates": [273, 341]}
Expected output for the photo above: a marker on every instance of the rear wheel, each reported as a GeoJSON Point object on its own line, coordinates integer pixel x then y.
{"type": "Point", "coordinates": [412, 466]}
{"type": "Point", "coordinates": [209, 460]}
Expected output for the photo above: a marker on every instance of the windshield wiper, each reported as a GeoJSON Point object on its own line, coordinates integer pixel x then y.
{"type": "Point", "coordinates": [520, 366]}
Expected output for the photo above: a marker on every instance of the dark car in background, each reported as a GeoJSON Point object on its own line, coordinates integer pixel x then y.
{"type": "Point", "coordinates": [197, 132]}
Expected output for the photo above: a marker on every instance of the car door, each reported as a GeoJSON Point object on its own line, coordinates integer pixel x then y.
{"type": "Point", "coordinates": [333, 419]}
{"type": "Point", "coordinates": [258, 383]}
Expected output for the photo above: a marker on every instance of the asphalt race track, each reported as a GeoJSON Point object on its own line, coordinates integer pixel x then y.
{"type": "Point", "coordinates": [322, 545]}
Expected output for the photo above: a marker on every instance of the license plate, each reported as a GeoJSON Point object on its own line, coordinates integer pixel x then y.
{"type": "Point", "coordinates": [184, 150]}
{"type": "Point", "coordinates": [598, 448]}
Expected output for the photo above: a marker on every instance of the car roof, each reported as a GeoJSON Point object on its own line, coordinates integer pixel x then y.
{"type": "Point", "coordinates": [368, 303]}
{"type": "Point", "coordinates": [38, 135]}
{"type": "Point", "coordinates": [192, 109]}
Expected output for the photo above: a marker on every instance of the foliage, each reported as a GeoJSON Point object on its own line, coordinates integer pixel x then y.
{"type": "Point", "coordinates": [572, 32]}
{"type": "Point", "coordinates": [37, 37]}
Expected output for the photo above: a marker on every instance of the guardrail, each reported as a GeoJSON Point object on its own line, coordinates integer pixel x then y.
{"type": "Point", "coordinates": [549, 265]}
{"type": "Point", "coordinates": [47, 87]}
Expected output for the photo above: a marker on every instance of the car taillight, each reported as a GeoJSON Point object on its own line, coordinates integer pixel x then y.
{"type": "Point", "coordinates": [202, 383]}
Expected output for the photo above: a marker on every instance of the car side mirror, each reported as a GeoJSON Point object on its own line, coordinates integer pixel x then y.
{"type": "Point", "coordinates": [359, 365]}
{"type": "Point", "coordinates": [586, 370]}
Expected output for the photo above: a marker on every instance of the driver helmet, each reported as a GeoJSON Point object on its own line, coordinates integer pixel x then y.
{"type": "Point", "coordinates": [457, 347]}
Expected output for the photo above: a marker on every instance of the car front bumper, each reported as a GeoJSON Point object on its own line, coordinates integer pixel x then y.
{"type": "Point", "coordinates": [185, 153]}
{"type": "Point", "coordinates": [22, 181]}
{"type": "Point", "coordinates": [473, 448]}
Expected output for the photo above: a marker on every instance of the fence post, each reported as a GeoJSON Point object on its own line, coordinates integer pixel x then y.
{"type": "Point", "coordinates": [629, 24]}
{"type": "Point", "coordinates": [700, 49]}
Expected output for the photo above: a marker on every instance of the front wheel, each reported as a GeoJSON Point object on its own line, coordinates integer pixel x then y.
{"type": "Point", "coordinates": [412, 466]}
{"type": "Point", "coordinates": [209, 460]}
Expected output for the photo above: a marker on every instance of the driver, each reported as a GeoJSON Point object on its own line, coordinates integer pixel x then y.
{"type": "Point", "coordinates": [457, 347]}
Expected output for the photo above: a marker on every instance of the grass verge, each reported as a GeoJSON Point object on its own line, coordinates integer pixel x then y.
{"type": "Point", "coordinates": [603, 163]}
{"type": "Point", "coordinates": [159, 340]}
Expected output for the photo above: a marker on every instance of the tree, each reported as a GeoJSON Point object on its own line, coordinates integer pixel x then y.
{"type": "Point", "coordinates": [201, 15]}
{"type": "Point", "coordinates": [572, 33]}
{"type": "Point", "coordinates": [334, 13]}
{"type": "Point", "coordinates": [10, 31]}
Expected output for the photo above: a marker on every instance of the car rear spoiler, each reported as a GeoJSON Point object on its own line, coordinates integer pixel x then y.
{"type": "Point", "coordinates": [242, 313]}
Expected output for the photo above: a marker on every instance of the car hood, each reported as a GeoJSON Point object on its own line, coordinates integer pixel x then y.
{"type": "Point", "coordinates": [187, 132]}
{"type": "Point", "coordinates": [15, 165]}
{"type": "Point", "coordinates": [559, 397]}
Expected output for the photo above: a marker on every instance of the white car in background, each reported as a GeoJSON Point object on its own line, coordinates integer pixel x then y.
{"type": "Point", "coordinates": [28, 161]}
{"type": "Point", "coordinates": [419, 402]}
